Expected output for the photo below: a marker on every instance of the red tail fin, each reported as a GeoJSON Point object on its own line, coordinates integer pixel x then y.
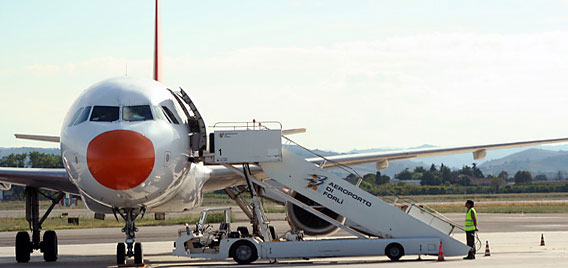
{"type": "Point", "coordinates": [157, 45]}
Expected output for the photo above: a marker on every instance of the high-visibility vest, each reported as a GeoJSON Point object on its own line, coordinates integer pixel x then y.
{"type": "Point", "coordinates": [469, 226]}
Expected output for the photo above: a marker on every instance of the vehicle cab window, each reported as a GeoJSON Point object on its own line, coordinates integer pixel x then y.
{"type": "Point", "coordinates": [137, 113]}
{"type": "Point", "coordinates": [105, 113]}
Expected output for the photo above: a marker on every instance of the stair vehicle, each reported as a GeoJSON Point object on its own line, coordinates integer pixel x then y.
{"type": "Point", "coordinates": [377, 228]}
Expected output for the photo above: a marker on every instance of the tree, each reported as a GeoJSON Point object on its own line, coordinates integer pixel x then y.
{"type": "Point", "coordinates": [433, 168]}
{"type": "Point", "coordinates": [367, 186]}
{"type": "Point", "coordinates": [381, 179]}
{"type": "Point", "coordinates": [446, 173]}
{"type": "Point", "coordinates": [14, 160]}
{"type": "Point", "coordinates": [430, 178]}
{"type": "Point", "coordinates": [404, 175]}
{"type": "Point", "coordinates": [41, 160]}
{"type": "Point", "coordinates": [370, 178]}
{"type": "Point", "coordinates": [417, 175]}
{"type": "Point", "coordinates": [419, 169]}
{"type": "Point", "coordinates": [540, 177]}
{"type": "Point", "coordinates": [503, 174]}
{"type": "Point", "coordinates": [466, 170]}
{"type": "Point", "coordinates": [523, 177]}
{"type": "Point", "coordinates": [497, 181]}
{"type": "Point", "coordinates": [465, 181]}
{"type": "Point", "coordinates": [477, 172]}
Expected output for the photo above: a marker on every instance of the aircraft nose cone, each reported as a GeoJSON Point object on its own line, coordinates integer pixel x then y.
{"type": "Point", "coordinates": [120, 159]}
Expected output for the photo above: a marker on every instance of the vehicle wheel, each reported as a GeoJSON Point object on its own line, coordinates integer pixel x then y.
{"type": "Point", "coordinates": [120, 254]}
{"type": "Point", "coordinates": [243, 252]}
{"type": "Point", "coordinates": [49, 246]}
{"type": "Point", "coordinates": [394, 251]}
{"type": "Point", "coordinates": [23, 247]}
{"type": "Point", "coordinates": [138, 255]}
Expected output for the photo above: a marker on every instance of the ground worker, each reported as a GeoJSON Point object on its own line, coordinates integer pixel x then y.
{"type": "Point", "coordinates": [470, 228]}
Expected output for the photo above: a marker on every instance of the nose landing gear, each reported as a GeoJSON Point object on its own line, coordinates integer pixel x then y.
{"type": "Point", "coordinates": [131, 249]}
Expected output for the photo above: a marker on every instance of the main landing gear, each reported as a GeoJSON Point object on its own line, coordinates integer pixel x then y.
{"type": "Point", "coordinates": [131, 249]}
{"type": "Point", "coordinates": [25, 246]}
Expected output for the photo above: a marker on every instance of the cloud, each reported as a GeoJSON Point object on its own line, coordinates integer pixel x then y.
{"type": "Point", "coordinates": [436, 88]}
{"type": "Point", "coordinates": [42, 69]}
{"type": "Point", "coordinates": [394, 87]}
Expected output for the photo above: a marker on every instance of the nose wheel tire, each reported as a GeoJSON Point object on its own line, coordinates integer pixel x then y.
{"type": "Point", "coordinates": [244, 252]}
{"type": "Point", "coordinates": [120, 254]}
{"type": "Point", "coordinates": [49, 246]}
{"type": "Point", "coordinates": [138, 255]}
{"type": "Point", "coordinates": [23, 247]}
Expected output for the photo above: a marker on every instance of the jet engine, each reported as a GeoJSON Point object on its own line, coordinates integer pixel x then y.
{"type": "Point", "coordinates": [310, 223]}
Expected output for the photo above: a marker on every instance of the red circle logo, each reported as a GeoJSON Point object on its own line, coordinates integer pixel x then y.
{"type": "Point", "coordinates": [120, 159]}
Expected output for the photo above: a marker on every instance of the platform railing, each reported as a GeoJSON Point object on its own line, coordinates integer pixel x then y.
{"type": "Point", "coordinates": [423, 213]}
{"type": "Point", "coordinates": [248, 125]}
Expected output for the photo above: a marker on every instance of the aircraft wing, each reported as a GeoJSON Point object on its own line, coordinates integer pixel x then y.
{"type": "Point", "coordinates": [38, 137]}
{"type": "Point", "coordinates": [45, 178]}
{"type": "Point", "coordinates": [382, 158]}
{"type": "Point", "coordinates": [222, 177]}
{"type": "Point", "coordinates": [57, 179]}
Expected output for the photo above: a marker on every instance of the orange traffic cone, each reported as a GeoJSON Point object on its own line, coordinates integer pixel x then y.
{"type": "Point", "coordinates": [487, 252]}
{"type": "Point", "coordinates": [542, 239]}
{"type": "Point", "coordinates": [441, 253]}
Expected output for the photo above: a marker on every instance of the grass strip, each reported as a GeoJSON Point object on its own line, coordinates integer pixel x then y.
{"type": "Point", "coordinates": [505, 207]}
{"type": "Point", "coordinates": [58, 223]}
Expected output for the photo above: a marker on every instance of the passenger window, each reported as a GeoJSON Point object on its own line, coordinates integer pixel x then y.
{"type": "Point", "coordinates": [77, 114]}
{"type": "Point", "coordinates": [105, 113]}
{"type": "Point", "coordinates": [170, 115]}
{"type": "Point", "coordinates": [136, 113]}
{"type": "Point", "coordinates": [84, 116]}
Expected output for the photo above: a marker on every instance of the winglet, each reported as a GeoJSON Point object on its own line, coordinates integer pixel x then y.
{"type": "Point", "coordinates": [157, 45]}
{"type": "Point", "coordinates": [38, 137]}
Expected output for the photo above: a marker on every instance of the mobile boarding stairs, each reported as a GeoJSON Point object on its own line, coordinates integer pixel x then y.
{"type": "Point", "coordinates": [389, 230]}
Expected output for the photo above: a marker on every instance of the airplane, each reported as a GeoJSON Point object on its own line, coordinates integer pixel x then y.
{"type": "Point", "coordinates": [132, 146]}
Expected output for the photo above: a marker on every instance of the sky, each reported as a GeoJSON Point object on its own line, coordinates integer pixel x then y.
{"type": "Point", "coordinates": [356, 74]}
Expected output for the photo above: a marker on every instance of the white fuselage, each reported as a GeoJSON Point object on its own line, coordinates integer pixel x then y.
{"type": "Point", "coordinates": [122, 148]}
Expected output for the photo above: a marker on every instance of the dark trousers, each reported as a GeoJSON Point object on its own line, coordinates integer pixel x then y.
{"type": "Point", "coordinates": [470, 236]}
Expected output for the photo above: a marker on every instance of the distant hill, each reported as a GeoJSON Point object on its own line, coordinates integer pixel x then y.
{"type": "Point", "coordinates": [537, 161]}
{"type": "Point", "coordinates": [459, 160]}
{"type": "Point", "coordinates": [547, 160]}
{"type": "Point", "coordinates": [394, 167]}
{"type": "Point", "coordinates": [21, 150]}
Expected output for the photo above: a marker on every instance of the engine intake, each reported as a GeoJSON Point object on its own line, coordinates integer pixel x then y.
{"type": "Point", "coordinates": [311, 224]}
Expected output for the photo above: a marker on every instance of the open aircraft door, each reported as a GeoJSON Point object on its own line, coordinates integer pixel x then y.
{"type": "Point", "coordinates": [197, 130]}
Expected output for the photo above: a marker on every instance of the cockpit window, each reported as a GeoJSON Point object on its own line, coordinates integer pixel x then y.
{"type": "Point", "coordinates": [170, 115]}
{"type": "Point", "coordinates": [136, 113]}
{"type": "Point", "coordinates": [104, 113]}
{"type": "Point", "coordinates": [77, 114]}
{"type": "Point", "coordinates": [159, 114]}
{"type": "Point", "coordinates": [84, 116]}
